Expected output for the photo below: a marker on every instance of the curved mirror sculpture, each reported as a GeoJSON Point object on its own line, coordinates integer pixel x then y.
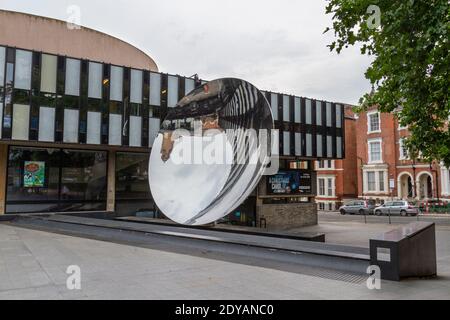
{"type": "Point", "coordinates": [211, 152]}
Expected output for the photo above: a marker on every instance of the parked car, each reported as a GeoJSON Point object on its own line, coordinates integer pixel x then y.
{"type": "Point", "coordinates": [361, 207]}
{"type": "Point", "coordinates": [399, 207]}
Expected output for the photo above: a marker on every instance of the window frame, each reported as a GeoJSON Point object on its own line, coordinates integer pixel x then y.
{"type": "Point", "coordinates": [369, 122]}
{"type": "Point", "coordinates": [369, 150]}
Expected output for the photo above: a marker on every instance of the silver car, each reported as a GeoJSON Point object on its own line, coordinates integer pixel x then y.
{"type": "Point", "coordinates": [400, 207]}
{"type": "Point", "coordinates": [362, 207]}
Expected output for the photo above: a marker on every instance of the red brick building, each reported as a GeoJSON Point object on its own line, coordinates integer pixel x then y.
{"type": "Point", "coordinates": [385, 170]}
{"type": "Point", "coordinates": [377, 166]}
{"type": "Point", "coordinates": [336, 179]}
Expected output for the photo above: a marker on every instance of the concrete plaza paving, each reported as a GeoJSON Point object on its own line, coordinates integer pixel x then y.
{"type": "Point", "coordinates": [33, 265]}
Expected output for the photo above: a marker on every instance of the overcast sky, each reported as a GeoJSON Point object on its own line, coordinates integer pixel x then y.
{"type": "Point", "coordinates": [276, 45]}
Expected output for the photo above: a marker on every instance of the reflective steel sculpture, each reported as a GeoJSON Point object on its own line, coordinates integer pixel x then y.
{"type": "Point", "coordinates": [211, 152]}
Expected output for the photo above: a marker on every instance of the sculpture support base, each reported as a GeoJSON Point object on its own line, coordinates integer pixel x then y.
{"type": "Point", "coordinates": [287, 216]}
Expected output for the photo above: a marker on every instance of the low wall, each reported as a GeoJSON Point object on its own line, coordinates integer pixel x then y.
{"type": "Point", "coordinates": [288, 216]}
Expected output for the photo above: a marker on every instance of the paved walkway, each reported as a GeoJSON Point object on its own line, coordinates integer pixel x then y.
{"type": "Point", "coordinates": [33, 266]}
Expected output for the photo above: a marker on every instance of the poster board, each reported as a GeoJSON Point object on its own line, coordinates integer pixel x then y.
{"type": "Point", "coordinates": [34, 174]}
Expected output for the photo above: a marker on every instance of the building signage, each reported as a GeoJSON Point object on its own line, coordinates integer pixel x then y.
{"type": "Point", "coordinates": [290, 182]}
{"type": "Point", "coordinates": [34, 174]}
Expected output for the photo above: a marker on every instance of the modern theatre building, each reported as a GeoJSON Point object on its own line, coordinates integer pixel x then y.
{"type": "Point", "coordinates": [79, 111]}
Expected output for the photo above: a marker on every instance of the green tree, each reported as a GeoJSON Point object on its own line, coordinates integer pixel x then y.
{"type": "Point", "coordinates": [409, 41]}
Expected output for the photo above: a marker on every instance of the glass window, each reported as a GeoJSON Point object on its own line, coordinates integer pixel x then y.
{"type": "Point", "coordinates": [21, 122]}
{"type": "Point", "coordinates": [309, 145]}
{"type": "Point", "coordinates": [154, 127]}
{"type": "Point", "coordinates": [319, 146]}
{"type": "Point", "coordinates": [339, 148]}
{"type": "Point", "coordinates": [403, 150]}
{"type": "Point", "coordinates": [286, 143]}
{"type": "Point", "coordinates": [381, 180]}
{"type": "Point", "coordinates": [22, 79]}
{"type": "Point", "coordinates": [71, 118]}
{"type": "Point", "coordinates": [274, 105]}
{"type": "Point", "coordinates": [47, 124]}
{"type": "Point", "coordinates": [371, 181]}
{"type": "Point", "coordinates": [374, 122]}
{"type": "Point", "coordinates": [330, 187]}
{"type": "Point", "coordinates": [135, 131]}
{"type": "Point", "coordinates": [329, 119]}
{"type": "Point", "coordinates": [116, 88]}
{"type": "Point", "coordinates": [2, 65]}
{"type": "Point", "coordinates": [94, 122]}
{"type": "Point", "coordinates": [48, 73]}
{"type": "Point", "coordinates": [338, 116]}
{"type": "Point", "coordinates": [189, 85]}
{"type": "Point", "coordinates": [83, 175]}
{"type": "Point", "coordinates": [73, 77]}
{"type": "Point", "coordinates": [136, 86]}
{"type": "Point", "coordinates": [115, 129]}
{"type": "Point", "coordinates": [297, 107]}
{"type": "Point", "coordinates": [298, 144]}
{"type": "Point", "coordinates": [329, 146]}
{"type": "Point", "coordinates": [321, 187]}
{"type": "Point", "coordinates": [308, 107]}
{"type": "Point", "coordinates": [375, 151]}
{"type": "Point", "coordinates": [95, 80]}
{"type": "Point", "coordinates": [132, 176]}
{"type": "Point", "coordinates": [33, 175]}
{"type": "Point", "coordinates": [286, 109]}
{"type": "Point", "coordinates": [319, 113]}
{"type": "Point", "coordinates": [172, 87]}
{"type": "Point", "coordinates": [155, 89]}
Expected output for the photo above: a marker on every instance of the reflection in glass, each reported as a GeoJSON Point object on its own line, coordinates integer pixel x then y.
{"type": "Point", "coordinates": [319, 145]}
{"type": "Point", "coordinates": [116, 83]}
{"type": "Point", "coordinates": [298, 110]}
{"type": "Point", "coordinates": [115, 129]}
{"type": "Point", "coordinates": [136, 86]}
{"type": "Point", "coordinates": [286, 109]}
{"type": "Point", "coordinates": [226, 162]}
{"type": "Point", "coordinates": [17, 190]}
{"type": "Point", "coordinates": [95, 80]}
{"type": "Point", "coordinates": [155, 89]}
{"type": "Point", "coordinates": [71, 118]}
{"type": "Point", "coordinates": [329, 146]}
{"type": "Point", "coordinates": [21, 122]}
{"type": "Point", "coordinates": [2, 65]}
{"type": "Point", "coordinates": [135, 131]}
{"type": "Point", "coordinates": [132, 176]}
{"type": "Point", "coordinates": [308, 108]}
{"type": "Point", "coordinates": [309, 145]}
{"type": "Point", "coordinates": [48, 73]}
{"type": "Point", "coordinates": [172, 85]}
{"type": "Point", "coordinates": [22, 78]}
{"type": "Point", "coordinates": [274, 105]}
{"type": "Point", "coordinates": [319, 113]}
{"type": "Point", "coordinates": [73, 77]}
{"type": "Point", "coordinates": [298, 144]}
{"type": "Point", "coordinates": [286, 143]}
{"type": "Point", "coordinates": [46, 124]}
{"type": "Point", "coordinates": [329, 118]}
{"type": "Point", "coordinates": [339, 146]}
{"type": "Point", "coordinates": [83, 175]}
{"type": "Point", "coordinates": [338, 116]}
{"type": "Point", "coordinates": [94, 121]}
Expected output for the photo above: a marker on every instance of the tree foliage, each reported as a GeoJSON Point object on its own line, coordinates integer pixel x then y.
{"type": "Point", "coordinates": [410, 70]}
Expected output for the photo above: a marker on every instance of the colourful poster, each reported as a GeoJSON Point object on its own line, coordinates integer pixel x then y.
{"type": "Point", "coordinates": [34, 174]}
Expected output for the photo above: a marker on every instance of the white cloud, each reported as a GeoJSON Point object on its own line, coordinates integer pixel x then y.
{"type": "Point", "coordinates": [277, 45]}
